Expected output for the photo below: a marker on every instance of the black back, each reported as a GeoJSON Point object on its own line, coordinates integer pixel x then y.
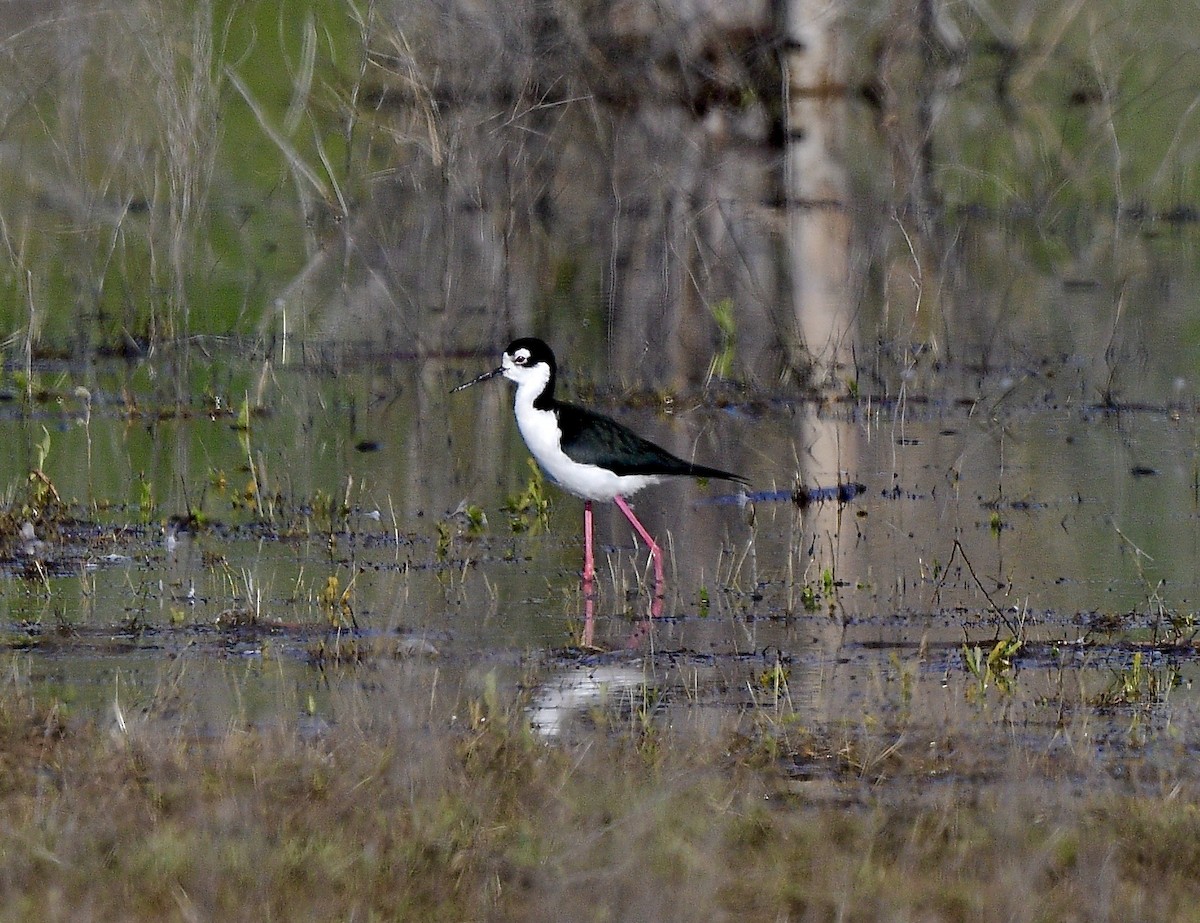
{"type": "Point", "coordinates": [591, 438]}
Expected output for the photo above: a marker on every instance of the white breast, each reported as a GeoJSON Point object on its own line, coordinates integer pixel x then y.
{"type": "Point", "coordinates": [539, 429]}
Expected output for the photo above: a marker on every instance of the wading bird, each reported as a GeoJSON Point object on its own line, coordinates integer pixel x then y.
{"type": "Point", "coordinates": [587, 454]}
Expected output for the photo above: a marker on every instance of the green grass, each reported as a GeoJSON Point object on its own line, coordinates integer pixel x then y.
{"type": "Point", "coordinates": [457, 811]}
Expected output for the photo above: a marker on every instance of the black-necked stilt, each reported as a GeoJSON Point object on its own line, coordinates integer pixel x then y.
{"type": "Point", "coordinates": [586, 453]}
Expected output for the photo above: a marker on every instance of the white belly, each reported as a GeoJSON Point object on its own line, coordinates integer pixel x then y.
{"type": "Point", "coordinates": [539, 429]}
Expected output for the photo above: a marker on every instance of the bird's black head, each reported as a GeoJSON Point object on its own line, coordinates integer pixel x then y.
{"type": "Point", "coordinates": [529, 351]}
{"type": "Point", "coordinates": [530, 363]}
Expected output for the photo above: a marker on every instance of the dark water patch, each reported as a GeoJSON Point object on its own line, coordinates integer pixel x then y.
{"type": "Point", "coordinates": [800, 496]}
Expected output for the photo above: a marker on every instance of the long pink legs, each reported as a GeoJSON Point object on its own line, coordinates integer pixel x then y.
{"type": "Point", "coordinates": [656, 607]}
{"type": "Point", "coordinates": [589, 568]}
{"type": "Point", "coordinates": [589, 578]}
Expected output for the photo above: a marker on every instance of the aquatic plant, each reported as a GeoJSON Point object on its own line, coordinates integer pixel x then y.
{"type": "Point", "coordinates": [335, 602]}
{"type": "Point", "coordinates": [992, 668]}
{"type": "Point", "coordinates": [1137, 684]}
{"type": "Point", "coordinates": [529, 510]}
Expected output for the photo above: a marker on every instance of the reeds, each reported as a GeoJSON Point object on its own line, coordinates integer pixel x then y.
{"type": "Point", "coordinates": [420, 802]}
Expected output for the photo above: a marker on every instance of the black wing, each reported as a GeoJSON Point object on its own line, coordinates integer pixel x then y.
{"type": "Point", "coordinates": [591, 438]}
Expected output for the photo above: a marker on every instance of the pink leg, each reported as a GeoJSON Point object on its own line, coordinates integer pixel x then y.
{"type": "Point", "coordinates": [589, 578]}
{"type": "Point", "coordinates": [656, 607]}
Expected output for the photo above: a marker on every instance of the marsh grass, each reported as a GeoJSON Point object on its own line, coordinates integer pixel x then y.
{"type": "Point", "coordinates": [444, 805]}
{"type": "Point", "coordinates": [412, 786]}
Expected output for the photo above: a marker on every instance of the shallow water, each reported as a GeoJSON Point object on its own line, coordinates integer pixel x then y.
{"type": "Point", "coordinates": [1024, 511]}
{"type": "Point", "coordinates": [982, 319]}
